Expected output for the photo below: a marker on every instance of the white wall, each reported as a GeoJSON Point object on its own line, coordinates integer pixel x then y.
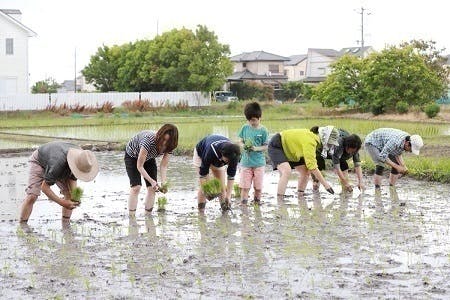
{"type": "Point", "coordinates": [13, 68]}
{"type": "Point", "coordinates": [259, 67]}
{"type": "Point", "coordinates": [293, 72]}
{"type": "Point", "coordinates": [157, 99]}
{"type": "Point", "coordinates": [318, 65]}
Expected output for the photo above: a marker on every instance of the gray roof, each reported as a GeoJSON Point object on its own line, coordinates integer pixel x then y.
{"type": "Point", "coordinates": [15, 21]}
{"type": "Point", "coordinates": [10, 11]}
{"type": "Point", "coordinates": [355, 50]}
{"type": "Point", "coordinates": [295, 60]}
{"type": "Point", "coordinates": [247, 75]}
{"type": "Point", "coordinates": [326, 52]}
{"type": "Point", "coordinates": [314, 79]}
{"type": "Point", "coordinates": [258, 56]}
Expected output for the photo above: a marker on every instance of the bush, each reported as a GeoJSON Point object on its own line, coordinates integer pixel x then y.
{"type": "Point", "coordinates": [402, 107]}
{"type": "Point", "coordinates": [432, 110]}
{"type": "Point", "coordinates": [377, 109]}
{"type": "Point", "coordinates": [137, 105]}
{"type": "Point", "coordinates": [253, 90]}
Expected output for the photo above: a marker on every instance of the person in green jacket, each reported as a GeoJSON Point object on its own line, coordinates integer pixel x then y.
{"type": "Point", "coordinates": [296, 149]}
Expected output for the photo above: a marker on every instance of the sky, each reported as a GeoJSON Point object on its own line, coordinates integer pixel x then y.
{"type": "Point", "coordinates": [70, 32]}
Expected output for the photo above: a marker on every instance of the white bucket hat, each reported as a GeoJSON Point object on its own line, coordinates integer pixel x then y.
{"type": "Point", "coordinates": [82, 163]}
{"type": "Point", "coordinates": [416, 144]}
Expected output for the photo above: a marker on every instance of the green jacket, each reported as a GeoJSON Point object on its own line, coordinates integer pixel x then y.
{"type": "Point", "coordinates": [298, 143]}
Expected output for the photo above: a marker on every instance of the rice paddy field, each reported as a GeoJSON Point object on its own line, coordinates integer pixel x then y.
{"type": "Point", "coordinates": [389, 245]}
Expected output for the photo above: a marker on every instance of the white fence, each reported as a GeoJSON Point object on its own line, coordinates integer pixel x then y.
{"type": "Point", "coordinates": [41, 101]}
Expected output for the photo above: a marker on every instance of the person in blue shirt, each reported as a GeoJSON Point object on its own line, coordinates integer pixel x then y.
{"type": "Point", "coordinates": [214, 152]}
{"type": "Point", "coordinates": [254, 139]}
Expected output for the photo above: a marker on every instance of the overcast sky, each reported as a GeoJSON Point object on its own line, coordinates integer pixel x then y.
{"type": "Point", "coordinates": [283, 27]}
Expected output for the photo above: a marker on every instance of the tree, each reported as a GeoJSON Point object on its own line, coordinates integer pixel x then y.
{"type": "Point", "coordinates": [295, 90]}
{"type": "Point", "coordinates": [401, 74]}
{"type": "Point", "coordinates": [102, 68]}
{"type": "Point", "coordinates": [46, 86]}
{"type": "Point", "coordinates": [183, 60]}
{"type": "Point", "coordinates": [344, 84]}
{"type": "Point", "coordinates": [434, 58]}
{"type": "Point", "coordinates": [178, 60]}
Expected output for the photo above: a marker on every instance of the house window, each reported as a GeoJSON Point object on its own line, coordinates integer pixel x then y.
{"type": "Point", "coordinates": [302, 73]}
{"type": "Point", "coordinates": [244, 65]}
{"type": "Point", "coordinates": [9, 46]}
{"type": "Point", "coordinates": [274, 69]}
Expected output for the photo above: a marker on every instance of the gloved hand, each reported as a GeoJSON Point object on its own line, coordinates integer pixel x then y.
{"type": "Point", "coordinates": [330, 190]}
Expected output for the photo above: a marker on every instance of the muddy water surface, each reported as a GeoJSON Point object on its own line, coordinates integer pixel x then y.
{"type": "Point", "coordinates": [390, 245]}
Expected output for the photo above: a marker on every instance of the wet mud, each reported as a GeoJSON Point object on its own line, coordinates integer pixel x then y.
{"type": "Point", "coordinates": [393, 245]}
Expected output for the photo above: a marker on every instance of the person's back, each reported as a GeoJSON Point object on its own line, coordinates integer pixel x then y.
{"type": "Point", "coordinates": [382, 136]}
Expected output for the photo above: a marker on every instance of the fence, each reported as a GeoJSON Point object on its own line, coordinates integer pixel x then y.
{"type": "Point", "coordinates": [41, 101]}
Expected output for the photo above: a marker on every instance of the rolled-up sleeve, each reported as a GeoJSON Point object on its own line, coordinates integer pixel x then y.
{"type": "Point", "coordinates": [231, 171]}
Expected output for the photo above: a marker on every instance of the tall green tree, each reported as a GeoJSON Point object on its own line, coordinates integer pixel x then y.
{"type": "Point", "coordinates": [178, 60]}
{"type": "Point", "coordinates": [103, 66]}
{"type": "Point", "coordinates": [401, 74]}
{"type": "Point", "coordinates": [344, 84]}
{"type": "Point", "coordinates": [46, 86]}
{"type": "Point", "coordinates": [434, 57]}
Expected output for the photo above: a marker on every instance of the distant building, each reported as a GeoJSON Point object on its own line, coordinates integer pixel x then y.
{"type": "Point", "coordinates": [67, 86]}
{"type": "Point", "coordinates": [295, 68]}
{"type": "Point", "coordinates": [259, 66]}
{"type": "Point", "coordinates": [319, 61]}
{"type": "Point", "coordinates": [14, 75]}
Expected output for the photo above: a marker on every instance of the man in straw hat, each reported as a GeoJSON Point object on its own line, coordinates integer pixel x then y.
{"type": "Point", "coordinates": [61, 163]}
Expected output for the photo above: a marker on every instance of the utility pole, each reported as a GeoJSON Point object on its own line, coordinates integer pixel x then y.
{"type": "Point", "coordinates": [75, 70]}
{"type": "Point", "coordinates": [362, 11]}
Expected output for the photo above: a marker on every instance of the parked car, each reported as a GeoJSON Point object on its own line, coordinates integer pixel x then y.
{"type": "Point", "coordinates": [224, 96]}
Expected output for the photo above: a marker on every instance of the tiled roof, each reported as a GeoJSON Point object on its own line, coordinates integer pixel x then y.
{"type": "Point", "coordinates": [295, 60]}
{"type": "Point", "coordinates": [258, 56]}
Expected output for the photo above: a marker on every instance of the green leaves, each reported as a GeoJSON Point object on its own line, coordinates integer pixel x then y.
{"type": "Point", "coordinates": [48, 85]}
{"type": "Point", "coordinates": [378, 82]}
{"type": "Point", "coordinates": [177, 60]}
{"type": "Point", "coordinates": [76, 194]}
{"type": "Point", "coordinates": [212, 188]}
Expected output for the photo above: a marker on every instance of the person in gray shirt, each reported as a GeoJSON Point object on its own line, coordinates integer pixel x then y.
{"type": "Point", "coordinates": [57, 163]}
{"type": "Point", "coordinates": [385, 146]}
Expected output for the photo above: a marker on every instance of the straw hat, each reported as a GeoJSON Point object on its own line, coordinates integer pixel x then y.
{"type": "Point", "coordinates": [82, 163]}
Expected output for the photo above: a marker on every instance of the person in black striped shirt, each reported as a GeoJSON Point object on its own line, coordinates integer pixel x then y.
{"type": "Point", "coordinates": [140, 154]}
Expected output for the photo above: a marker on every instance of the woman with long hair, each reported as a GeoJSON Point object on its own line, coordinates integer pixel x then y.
{"type": "Point", "coordinates": [140, 154]}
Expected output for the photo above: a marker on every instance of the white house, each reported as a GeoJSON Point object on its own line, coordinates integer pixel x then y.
{"type": "Point", "coordinates": [295, 68]}
{"type": "Point", "coordinates": [14, 75]}
{"type": "Point", "coordinates": [259, 66]}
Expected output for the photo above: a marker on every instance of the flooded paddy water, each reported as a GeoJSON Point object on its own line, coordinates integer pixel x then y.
{"type": "Point", "coordinates": [392, 245]}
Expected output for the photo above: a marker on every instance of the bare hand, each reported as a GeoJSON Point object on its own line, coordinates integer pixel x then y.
{"type": "Point", "coordinates": [402, 169]}
{"type": "Point", "coordinates": [69, 204]}
{"type": "Point", "coordinates": [349, 188]}
{"type": "Point", "coordinates": [361, 186]}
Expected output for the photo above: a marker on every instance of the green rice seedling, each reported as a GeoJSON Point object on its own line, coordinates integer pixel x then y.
{"type": "Point", "coordinates": [76, 194]}
{"type": "Point", "coordinates": [212, 188]}
{"type": "Point", "coordinates": [237, 190]}
{"type": "Point", "coordinates": [162, 201]}
{"type": "Point", "coordinates": [164, 187]}
{"type": "Point", "coordinates": [248, 144]}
